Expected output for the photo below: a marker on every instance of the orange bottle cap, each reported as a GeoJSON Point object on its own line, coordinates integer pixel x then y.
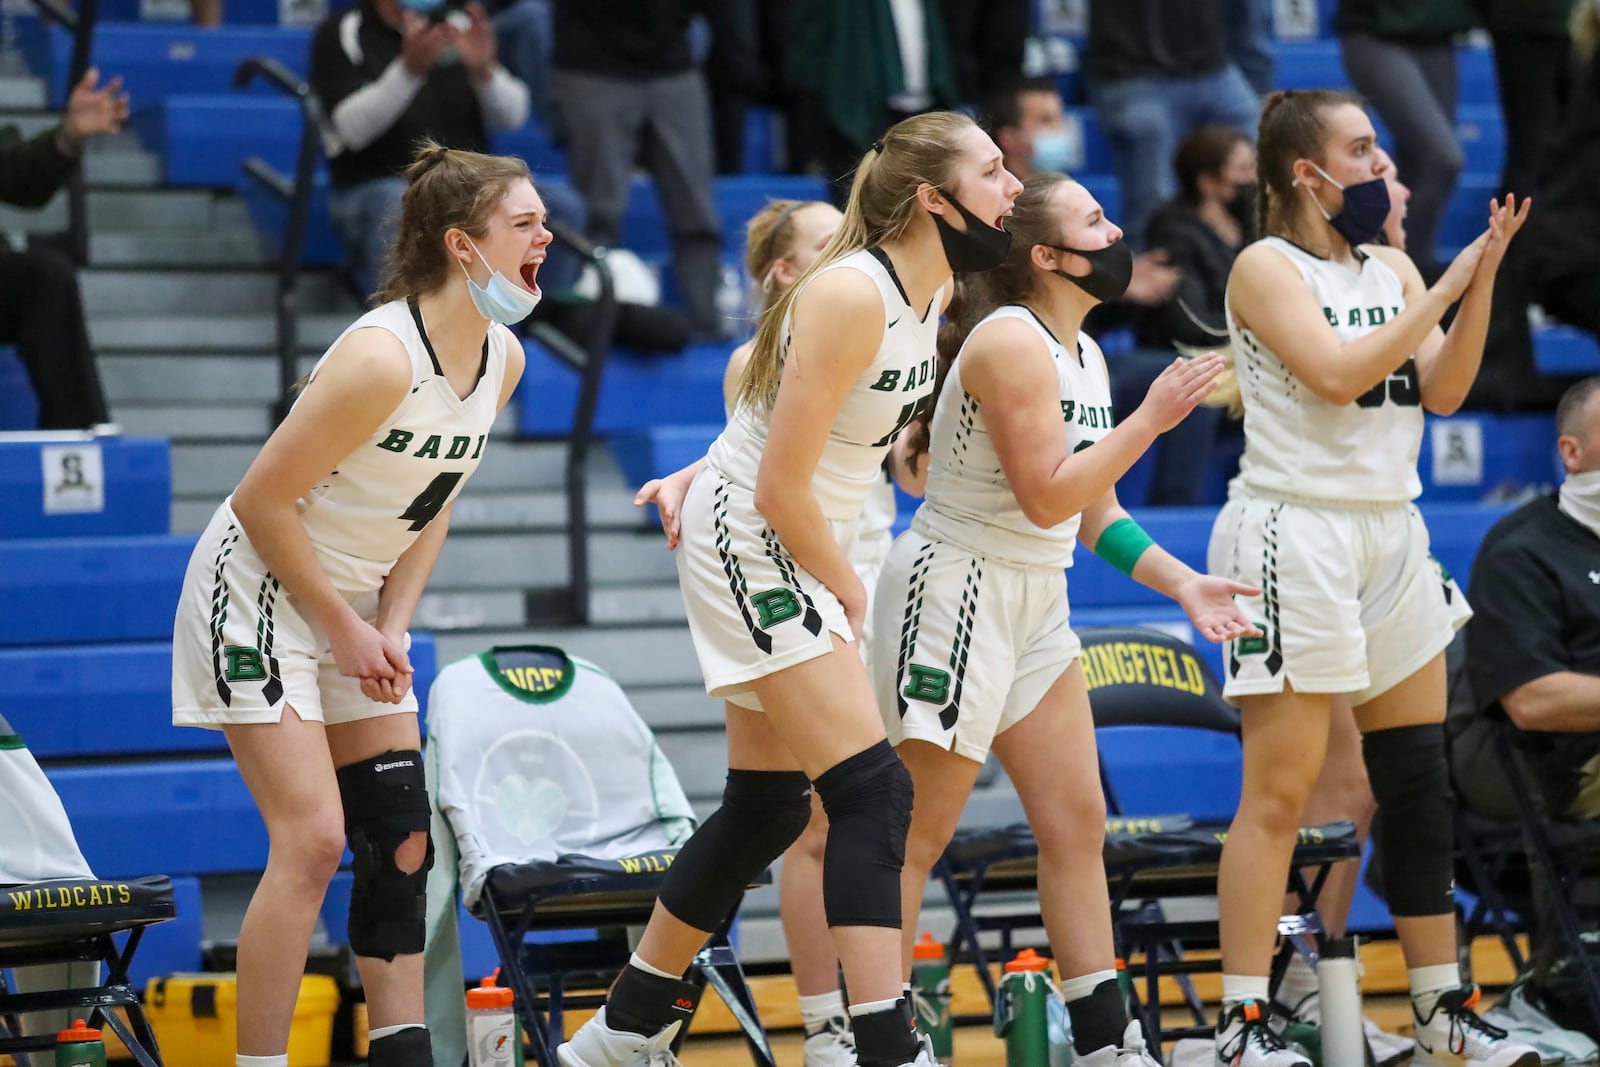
{"type": "Point", "coordinates": [1027, 960]}
{"type": "Point", "coordinates": [489, 995]}
{"type": "Point", "coordinates": [1122, 964]}
{"type": "Point", "coordinates": [78, 1031]}
{"type": "Point", "coordinates": [927, 948]}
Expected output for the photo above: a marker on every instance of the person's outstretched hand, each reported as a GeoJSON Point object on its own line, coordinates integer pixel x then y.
{"type": "Point", "coordinates": [94, 110]}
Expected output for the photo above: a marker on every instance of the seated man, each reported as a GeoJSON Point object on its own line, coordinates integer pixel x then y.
{"type": "Point", "coordinates": [1533, 650]}
{"type": "Point", "coordinates": [41, 311]}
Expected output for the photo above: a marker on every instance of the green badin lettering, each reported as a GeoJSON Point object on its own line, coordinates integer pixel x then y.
{"type": "Point", "coordinates": [886, 382]}
{"type": "Point", "coordinates": [396, 441]}
{"type": "Point", "coordinates": [775, 606]}
{"type": "Point", "coordinates": [927, 684]}
{"type": "Point", "coordinates": [244, 664]}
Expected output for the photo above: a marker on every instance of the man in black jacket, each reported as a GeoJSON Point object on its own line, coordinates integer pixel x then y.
{"type": "Point", "coordinates": [41, 311]}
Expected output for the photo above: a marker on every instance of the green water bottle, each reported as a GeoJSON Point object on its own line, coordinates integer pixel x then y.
{"type": "Point", "coordinates": [1021, 1013]}
{"type": "Point", "coordinates": [80, 1046]}
{"type": "Point", "coordinates": [1130, 999]}
{"type": "Point", "coordinates": [930, 994]}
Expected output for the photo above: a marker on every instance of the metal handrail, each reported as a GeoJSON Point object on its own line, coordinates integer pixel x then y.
{"type": "Point", "coordinates": [297, 192]}
{"type": "Point", "coordinates": [81, 24]}
{"type": "Point", "coordinates": [586, 355]}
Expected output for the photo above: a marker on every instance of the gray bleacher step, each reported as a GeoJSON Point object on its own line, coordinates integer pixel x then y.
{"type": "Point", "coordinates": [677, 707]}
{"type": "Point", "coordinates": [441, 612]}
{"type": "Point", "coordinates": [128, 210]}
{"type": "Point", "coordinates": [189, 293]}
{"type": "Point", "coordinates": [178, 248]}
{"type": "Point", "coordinates": [126, 169]}
{"type": "Point", "coordinates": [635, 656]}
{"type": "Point", "coordinates": [206, 332]}
{"type": "Point", "coordinates": [212, 470]}
{"type": "Point", "coordinates": [161, 378]}
{"type": "Point", "coordinates": [627, 605]}
{"type": "Point", "coordinates": [22, 94]}
{"type": "Point", "coordinates": [215, 421]}
{"type": "Point", "coordinates": [28, 115]}
{"type": "Point", "coordinates": [539, 560]}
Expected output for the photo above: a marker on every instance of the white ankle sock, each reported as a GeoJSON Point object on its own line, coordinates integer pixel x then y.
{"type": "Point", "coordinates": [242, 1060]}
{"type": "Point", "coordinates": [1081, 986]}
{"type": "Point", "coordinates": [857, 1010]}
{"type": "Point", "coordinates": [647, 969]}
{"type": "Point", "coordinates": [1238, 988]}
{"type": "Point", "coordinates": [1299, 982]}
{"type": "Point", "coordinates": [387, 1031]}
{"type": "Point", "coordinates": [814, 1011]}
{"type": "Point", "coordinates": [1428, 982]}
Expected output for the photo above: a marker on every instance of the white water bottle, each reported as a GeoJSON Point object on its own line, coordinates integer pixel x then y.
{"type": "Point", "coordinates": [493, 1037]}
{"type": "Point", "coordinates": [1339, 980]}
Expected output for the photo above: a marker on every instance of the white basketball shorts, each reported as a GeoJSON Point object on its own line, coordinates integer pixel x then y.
{"type": "Point", "coordinates": [966, 646]}
{"type": "Point", "coordinates": [1351, 599]}
{"type": "Point", "coordinates": [242, 650]}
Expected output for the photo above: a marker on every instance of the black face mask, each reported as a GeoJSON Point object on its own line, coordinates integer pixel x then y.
{"type": "Point", "coordinates": [980, 248]}
{"type": "Point", "coordinates": [1243, 206]}
{"type": "Point", "coordinates": [1110, 270]}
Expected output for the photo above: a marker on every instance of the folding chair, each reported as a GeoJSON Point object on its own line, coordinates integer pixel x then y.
{"type": "Point", "coordinates": [55, 913]}
{"type": "Point", "coordinates": [1137, 677]}
{"type": "Point", "coordinates": [567, 817]}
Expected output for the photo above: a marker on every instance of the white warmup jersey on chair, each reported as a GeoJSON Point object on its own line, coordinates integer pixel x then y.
{"type": "Point", "coordinates": [1298, 445]}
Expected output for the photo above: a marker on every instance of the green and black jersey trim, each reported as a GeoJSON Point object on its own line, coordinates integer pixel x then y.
{"type": "Point", "coordinates": [1269, 596]}
{"type": "Point", "coordinates": [722, 537]}
{"type": "Point", "coordinates": [219, 611]}
{"type": "Point", "coordinates": [911, 621]}
{"type": "Point", "coordinates": [966, 617]}
{"type": "Point", "coordinates": [781, 559]}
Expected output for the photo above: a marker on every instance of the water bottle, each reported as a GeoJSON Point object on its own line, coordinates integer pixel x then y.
{"type": "Point", "coordinates": [1022, 1014]}
{"type": "Point", "coordinates": [1344, 1044]}
{"type": "Point", "coordinates": [80, 1046]}
{"type": "Point", "coordinates": [493, 1037]}
{"type": "Point", "coordinates": [930, 994]}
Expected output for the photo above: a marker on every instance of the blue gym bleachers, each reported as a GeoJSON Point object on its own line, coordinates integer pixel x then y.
{"type": "Point", "coordinates": [19, 410]}
{"type": "Point", "coordinates": [136, 482]}
{"type": "Point", "coordinates": [1565, 350]}
{"type": "Point", "coordinates": [75, 590]}
{"type": "Point", "coordinates": [640, 390]}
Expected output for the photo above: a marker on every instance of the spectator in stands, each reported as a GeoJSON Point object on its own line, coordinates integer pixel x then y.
{"type": "Point", "coordinates": [41, 310]}
{"type": "Point", "coordinates": [1201, 230]}
{"type": "Point", "coordinates": [1532, 66]}
{"type": "Point", "coordinates": [522, 33]}
{"type": "Point", "coordinates": [1250, 43]}
{"type": "Point", "coordinates": [1533, 650]}
{"type": "Point", "coordinates": [1400, 55]}
{"type": "Point", "coordinates": [388, 78]}
{"type": "Point", "coordinates": [1156, 70]}
{"type": "Point", "coordinates": [625, 89]}
{"type": "Point", "coordinates": [987, 39]}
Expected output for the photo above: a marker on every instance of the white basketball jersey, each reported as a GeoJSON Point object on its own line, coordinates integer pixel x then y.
{"type": "Point", "coordinates": [1298, 444]}
{"type": "Point", "coordinates": [382, 495]}
{"type": "Point", "coordinates": [890, 392]}
{"type": "Point", "coordinates": [969, 502]}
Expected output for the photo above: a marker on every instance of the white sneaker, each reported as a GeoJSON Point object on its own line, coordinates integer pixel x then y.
{"type": "Point", "coordinates": [597, 1045]}
{"type": "Point", "coordinates": [1302, 1030]}
{"type": "Point", "coordinates": [1245, 1038]}
{"type": "Point", "coordinates": [832, 1046]}
{"type": "Point", "coordinates": [1526, 1023]}
{"type": "Point", "coordinates": [925, 1056]}
{"type": "Point", "coordinates": [1454, 1036]}
{"type": "Point", "coordinates": [1131, 1053]}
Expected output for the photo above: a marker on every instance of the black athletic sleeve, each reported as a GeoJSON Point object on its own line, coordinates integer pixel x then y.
{"type": "Point", "coordinates": [1515, 634]}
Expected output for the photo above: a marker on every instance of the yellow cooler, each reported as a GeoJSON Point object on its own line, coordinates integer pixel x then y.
{"type": "Point", "coordinates": [194, 1019]}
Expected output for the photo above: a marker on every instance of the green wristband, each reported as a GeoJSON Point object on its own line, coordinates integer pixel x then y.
{"type": "Point", "coordinates": [1121, 544]}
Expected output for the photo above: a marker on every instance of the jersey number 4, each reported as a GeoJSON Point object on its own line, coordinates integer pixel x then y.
{"type": "Point", "coordinates": [1400, 389]}
{"type": "Point", "coordinates": [431, 500]}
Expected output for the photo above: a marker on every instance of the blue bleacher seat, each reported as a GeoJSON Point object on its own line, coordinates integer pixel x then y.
{"type": "Point", "coordinates": [90, 589]}
{"type": "Point", "coordinates": [652, 451]}
{"type": "Point", "coordinates": [19, 408]}
{"type": "Point", "coordinates": [1096, 150]}
{"type": "Point", "coordinates": [1565, 350]}
{"type": "Point", "coordinates": [1467, 214]}
{"type": "Point", "coordinates": [137, 487]}
{"type": "Point", "coordinates": [1316, 65]}
{"type": "Point", "coordinates": [159, 60]}
{"type": "Point", "coordinates": [1514, 452]}
{"type": "Point", "coordinates": [737, 199]}
{"type": "Point", "coordinates": [172, 947]}
{"type": "Point", "coordinates": [86, 701]}
{"type": "Point", "coordinates": [1482, 132]}
{"type": "Point", "coordinates": [638, 392]}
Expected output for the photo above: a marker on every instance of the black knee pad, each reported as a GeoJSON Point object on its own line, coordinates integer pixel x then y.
{"type": "Point", "coordinates": [408, 1048]}
{"type": "Point", "coordinates": [762, 813]}
{"type": "Point", "coordinates": [1415, 832]}
{"type": "Point", "coordinates": [385, 802]}
{"type": "Point", "coordinates": [868, 801]}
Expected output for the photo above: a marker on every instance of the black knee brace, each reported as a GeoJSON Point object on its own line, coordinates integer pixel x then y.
{"type": "Point", "coordinates": [868, 801]}
{"type": "Point", "coordinates": [762, 813]}
{"type": "Point", "coordinates": [1415, 832]}
{"type": "Point", "coordinates": [408, 1048]}
{"type": "Point", "coordinates": [385, 802]}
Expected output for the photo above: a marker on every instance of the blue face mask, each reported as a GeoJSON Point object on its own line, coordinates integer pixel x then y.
{"type": "Point", "coordinates": [1365, 210]}
{"type": "Point", "coordinates": [1052, 150]}
{"type": "Point", "coordinates": [502, 300]}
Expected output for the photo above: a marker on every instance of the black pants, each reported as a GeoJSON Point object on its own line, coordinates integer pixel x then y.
{"type": "Point", "coordinates": [41, 313]}
{"type": "Point", "coordinates": [1534, 75]}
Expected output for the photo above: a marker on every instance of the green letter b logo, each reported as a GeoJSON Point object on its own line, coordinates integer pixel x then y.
{"type": "Point", "coordinates": [927, 684]}
{"type": "Point", "coordinates": [244, 664]}
{"type": "Point", "coordinates": [775, 606]}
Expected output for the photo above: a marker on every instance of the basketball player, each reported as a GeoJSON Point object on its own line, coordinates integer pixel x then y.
{"type": "Point", "coordinates": [841, 363]}
{"type": "Point", "coordinates": [1339, 350]}
{"type": "Point", "coordinates": [291, 630]}
{"type": "Point", "coordinates": [977, 653]}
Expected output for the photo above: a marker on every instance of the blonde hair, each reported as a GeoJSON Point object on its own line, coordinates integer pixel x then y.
{"type": "Point", "coordinates": [768, 237]}
{"type": "Point", "coordinates": [1586, 27]}
{"type": "Point", "coordinates": [1225, 391]}
{"type": "Point", "coordinates": [883, 202]}
{"type": "Point", "coordinates": [445, 189]}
